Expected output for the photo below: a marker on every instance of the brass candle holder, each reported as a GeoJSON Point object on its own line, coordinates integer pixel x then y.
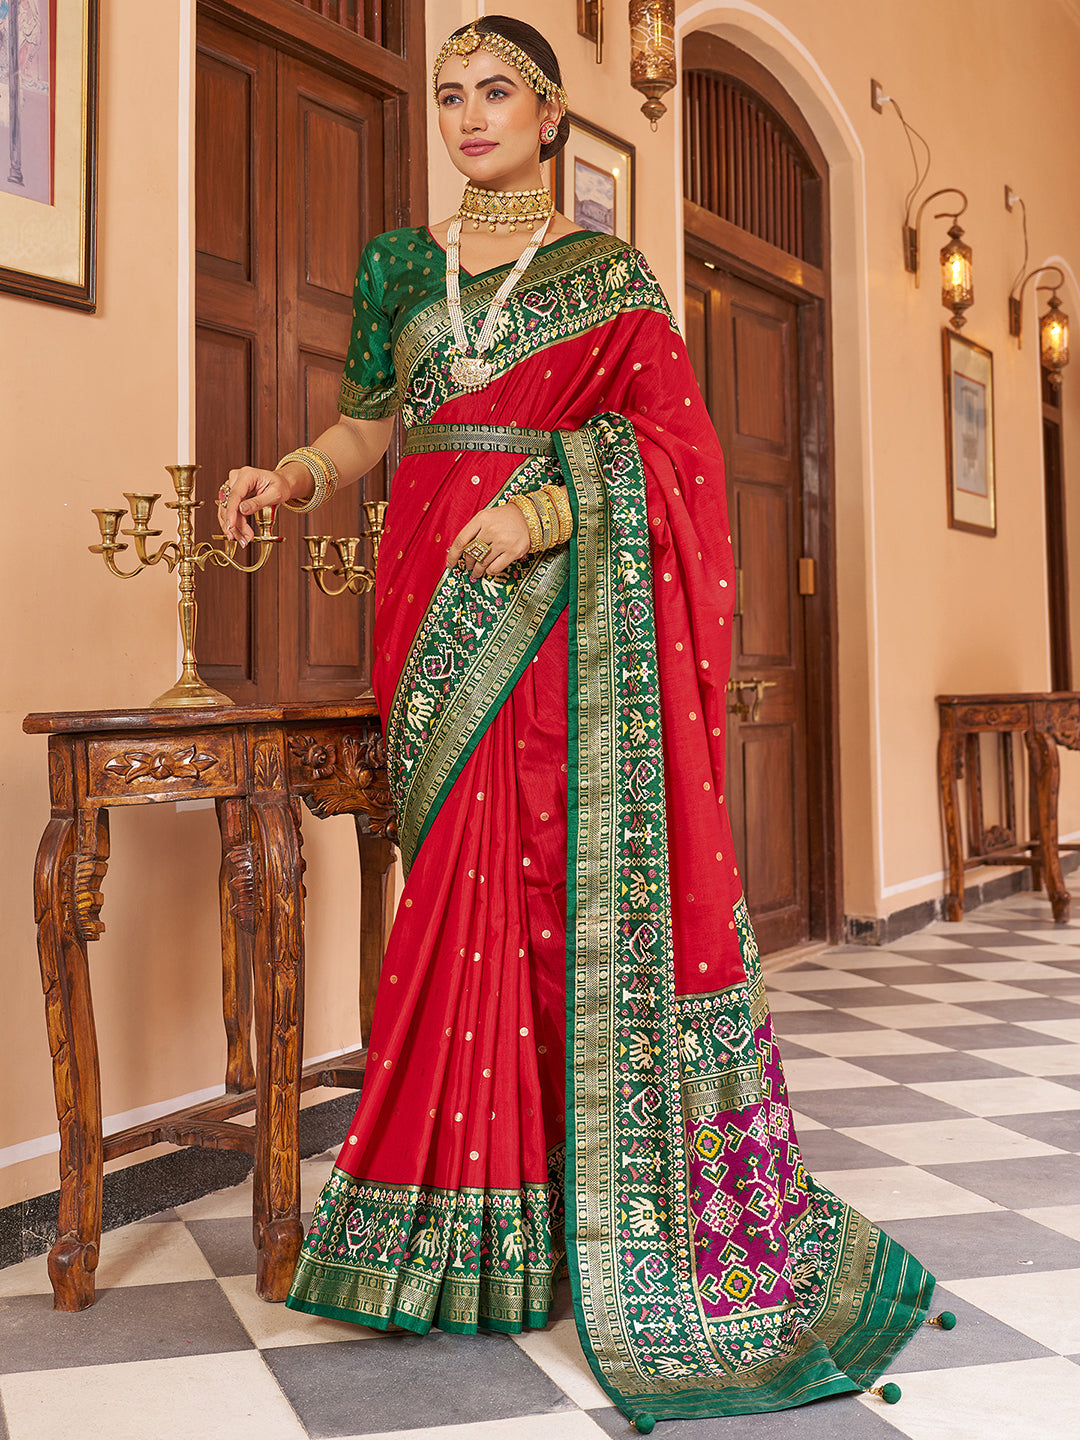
{"type": "Point", "coordinates": [346, 575]}
{"type": "Point", "coordinates": [182, 555]}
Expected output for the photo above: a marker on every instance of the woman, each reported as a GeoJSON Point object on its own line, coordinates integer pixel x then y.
{"type": "Point", "coordinates": [553, 612]}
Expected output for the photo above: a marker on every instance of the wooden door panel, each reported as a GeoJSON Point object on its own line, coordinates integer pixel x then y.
{"type": "Point", "coordinates": [745, 352]}
{"type": "Point", "coordinates": [762, 532]}
{"type": "Point", "coordinates": [334, 156]}
{"type": "Point", "coordinates": [770, 864]}
{"type": "Point", "coordinates": [227, 601]}
{"type": "Point", "coordinates": [762, 363]}
{"type": "Point", "coordinates": [224, 194]}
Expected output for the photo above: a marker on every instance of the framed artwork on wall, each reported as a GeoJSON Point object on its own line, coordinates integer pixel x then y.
{"type": "Point", "coordinates": [48, 150]}
{"type": "Point", "coordinates": [969, 434]}
{"type": "Point", "coordinates": [594, 180]}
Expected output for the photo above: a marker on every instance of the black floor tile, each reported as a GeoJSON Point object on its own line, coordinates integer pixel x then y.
{"type": "Point", "coordinates": [862, 997]}
{"type": "Point", "coordinates": [962, 1247]}
{"type": "Point", "coordinates": [840, 1415]}
{"type": "Point", "coordinates": [129, 1322]}
{"type": "Point", "coordinates": [878, 1105]}
{"type": "Point", "coordinates": [408, 1382]}
{"type": "Point", "coordinates": [1052, 985]}
{"type": "Point", "coordinates": [1072, 1081]}
{"type": "Point", "coordinates": [789, 1050]}
{"type": "Point", "coordinates": [979, 1339]}
{"type": "Point", "coordinates": [943, 1065]}
{"type": "Point", "coordinates": [819, 1022]}
{"type": "Point", "coordinates": [227, 1244]}
{"type": "Point", "coordinates": [992, 1036]}
{"type": "Point", "coordinates": [1017, 1009]}
{"type": "Point", "coordinates": [908, 974]}
{"type": "Point", "coordinates": [829, 1150]}
{"type": "Point", "coordinates": [1017, 1184]}
{"type": "Point", "coordinates": [1060, 1128]}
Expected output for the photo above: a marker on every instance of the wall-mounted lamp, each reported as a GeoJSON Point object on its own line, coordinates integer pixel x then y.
{"type": "Point", "coordinates": [957, 276]}
{"type": "Point", "coordinates": [652, 52]}
{"type": "Point", "coordinates": [1054, 323]}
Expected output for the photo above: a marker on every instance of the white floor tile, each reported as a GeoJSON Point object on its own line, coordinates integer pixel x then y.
{"type": "Point", "coordinates": [221, 1205]}
{"type": "Point", "coordinates": [313, 1176]}
{"type": "Point", "coordinates": [875, 959]}
{"type": "Point", "coordinates": [196, 1397]}
{"type": "Point", "coordinates": [1004, 1095]}
{"type": "Point", "coordinates": [868, 1042]}
{"type": "Point", "coordinates": [1036, 1059]}
{"type": "Point", "coordinates": [819, 980]}
{"type": "Point", "coordinates": [1015, 1400]}
{"type": "Point", "coordinates": [939, 1142]}
{"type": "Point", "coordinates": [1065, 1219]}
{"type": "Point", "coordinates": [29, 1277]}
{"type": "Point", "coordinates": [1065, 936]}
{"type": "Point", "coordinates": [924, 940]}
{"type": "Point", "coordinates": [902, 1192]}
{"type": "Point", "coordinates": [557, 1350]}
{"type": "Point", "coordinates": [273, 1325]}
{"type": "Point", "coordinates": [562, 1425]}
{"type": "Point", "coordinates": [829, 1074]}
{"type": "Point", "coordinates": [780, 1000]}
{"type": "Point", "coordinates": [917, 1017]}
{"type": "Point", "coordinates": [150, 1254]}
{"type": "Point", "coordinates": [1057, 1029]}
{"type": "Point", "coordinates": [967, 992]}
{"type": "Point", "coordinates": [803, 1123]}
{"type": "Point", "coordinates": [1041, 1304]}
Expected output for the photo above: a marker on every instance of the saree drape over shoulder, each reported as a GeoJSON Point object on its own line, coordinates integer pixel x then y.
{"type": "Point", "coordinates": [572, 1054]}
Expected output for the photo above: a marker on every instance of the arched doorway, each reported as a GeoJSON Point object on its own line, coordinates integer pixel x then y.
{"type": "Point", "coordinates": [757, 323]}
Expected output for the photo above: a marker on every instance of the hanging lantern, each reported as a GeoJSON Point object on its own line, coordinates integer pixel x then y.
{"type": "Point", "coordinates": [1054, 339]}
{"type": "Point", "coordinates": [652, 52]}
{"type": "Point", "coordinates": [957, 284]}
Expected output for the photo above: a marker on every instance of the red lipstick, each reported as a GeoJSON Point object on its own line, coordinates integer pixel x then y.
{"type": "Point", "coordinates": [476, 147]}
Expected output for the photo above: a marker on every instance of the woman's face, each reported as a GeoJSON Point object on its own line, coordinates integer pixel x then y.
{"type": "Point", "coordinates": [490, 121]}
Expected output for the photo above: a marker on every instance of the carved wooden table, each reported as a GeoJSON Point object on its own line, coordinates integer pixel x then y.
{"type": "Point", "coordinates": [256, 763]}
{"type": "Point", "coordinates": [1045, 721]}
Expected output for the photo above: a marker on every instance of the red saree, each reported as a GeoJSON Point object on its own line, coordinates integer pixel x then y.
{"type": "Point", "coordinates": [571, 1051]}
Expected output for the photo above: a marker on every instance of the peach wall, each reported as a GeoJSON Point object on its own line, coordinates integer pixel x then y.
{"type": "Point", "coordinates": [91, 406]}
{"type": "Point", "coordinates": [916, 600]}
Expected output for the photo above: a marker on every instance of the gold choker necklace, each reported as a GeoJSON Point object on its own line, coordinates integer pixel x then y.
{"type": "Point", "coordinates": [505, 207]}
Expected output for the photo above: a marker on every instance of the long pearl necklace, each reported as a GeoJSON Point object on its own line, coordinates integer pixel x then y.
{"type": "Point", "coordinates": [473, 372]}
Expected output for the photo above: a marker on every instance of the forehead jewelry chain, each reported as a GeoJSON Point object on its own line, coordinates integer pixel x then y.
{"type": "Point", "coordinates": [473, 372]}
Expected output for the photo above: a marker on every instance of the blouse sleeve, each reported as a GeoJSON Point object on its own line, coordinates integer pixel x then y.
{"type": "Point", "coordinates": [369, 385]}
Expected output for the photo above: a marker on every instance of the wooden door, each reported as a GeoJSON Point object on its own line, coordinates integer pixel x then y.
{"type": "Point", "coordinates": [297, 167]}
{"type": "Point", "coordinates": [744, 343]}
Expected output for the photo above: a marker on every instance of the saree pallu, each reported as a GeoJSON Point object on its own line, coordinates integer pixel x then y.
{"type": "Point", "coordinates": [572, 1054]}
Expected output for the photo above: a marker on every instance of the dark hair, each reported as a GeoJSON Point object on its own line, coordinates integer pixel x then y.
{"type": "Point", "coordinates": [538, 50]}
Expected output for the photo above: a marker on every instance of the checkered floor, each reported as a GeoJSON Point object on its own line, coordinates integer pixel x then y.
{"type": "Point", "coordinates": [937, 1087]}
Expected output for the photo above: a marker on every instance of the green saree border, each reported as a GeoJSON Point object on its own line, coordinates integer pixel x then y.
{"type": "Point", "coordinates": [632, 1103]}
{"type": "Point", "coordinates": [464, 702]}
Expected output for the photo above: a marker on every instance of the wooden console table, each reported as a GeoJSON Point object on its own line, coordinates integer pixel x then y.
{"type": "Point", "coordinates": [1045, 721]}
{"type": "Point", "coordinates": [256, 763]}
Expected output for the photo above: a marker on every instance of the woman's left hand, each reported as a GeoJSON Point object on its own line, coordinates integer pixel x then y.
{"type": "Point", "coordinates": [503, 528]}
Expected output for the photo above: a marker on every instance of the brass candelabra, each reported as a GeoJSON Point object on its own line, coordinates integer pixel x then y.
{"type": "Point", "coordinates": [182, 555]}
{"type": "Point", "coordinates": [354, 578]}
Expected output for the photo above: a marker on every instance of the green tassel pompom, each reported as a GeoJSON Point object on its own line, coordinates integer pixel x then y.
{"type": "Point", "coordinates": [891, 1393]}
{"type": "Point", "coordinates": [645, 1424]}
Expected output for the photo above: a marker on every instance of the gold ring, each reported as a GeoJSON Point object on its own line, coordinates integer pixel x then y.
{"type": "Point", "coordinates": [478, 550]}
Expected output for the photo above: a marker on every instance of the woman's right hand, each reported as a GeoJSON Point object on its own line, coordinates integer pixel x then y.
{"type": "Point", "coordinates": [248, 490]}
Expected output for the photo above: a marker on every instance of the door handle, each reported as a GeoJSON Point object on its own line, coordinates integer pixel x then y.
{"type": "Point", "coordinates": [748, 710]}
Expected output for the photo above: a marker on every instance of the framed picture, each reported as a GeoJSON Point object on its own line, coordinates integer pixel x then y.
{"type": "Point", "coordinates": [48, 149]}
{"type": "Point", "coordinates": [969, 434]}
{"type": "Point", "coordinates": [594, 180]}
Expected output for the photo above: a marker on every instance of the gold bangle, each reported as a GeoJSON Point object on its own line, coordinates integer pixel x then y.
{"type": "Point", "coordinates": [549, 519]}
{"type": "Point", "coordinates": [532, 519]}
{"type": "Point", "coordinates": [561, 500]}
{"type": "Point", "coordinates": [323, 473]}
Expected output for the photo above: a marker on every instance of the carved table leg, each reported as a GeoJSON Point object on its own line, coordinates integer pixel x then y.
{"type": "Point", "coordinates": [71, 863]}
{"type": "Point", "coordinates": [279, 981]}
{"type": "Point", "coordinates": [948, 755]}
{"type": "Point", "coordinates": [237, 886]}
{"type": "Point", "coordinates": [376, 861]}
{"type": "Point", "coordinates": [1042, 753]}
